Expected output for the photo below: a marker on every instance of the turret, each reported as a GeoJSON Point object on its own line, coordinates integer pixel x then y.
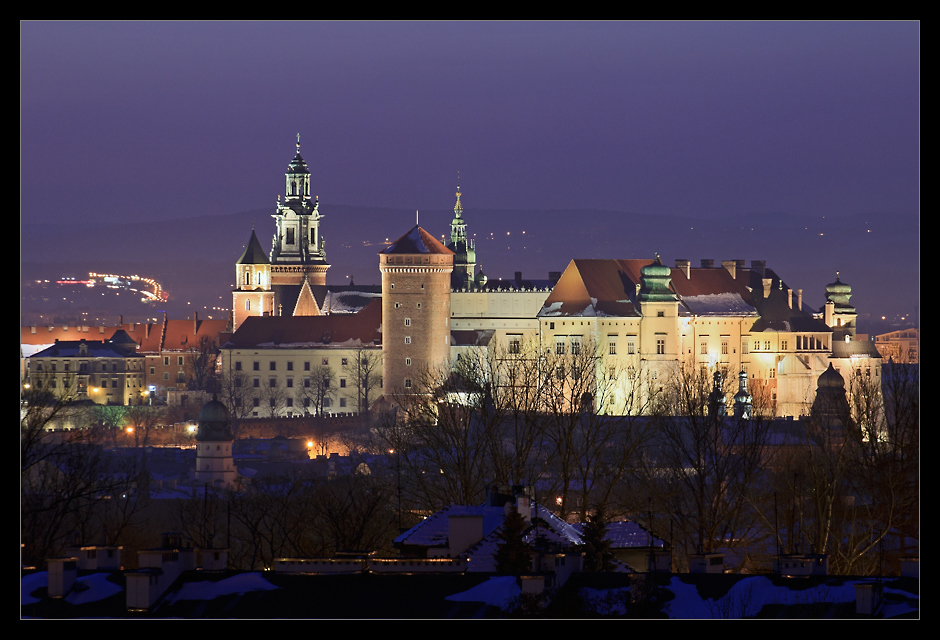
{"type": "Point", "coordinates": [838, 312]}
{"type": "Point", "coordinates": [416, 278]}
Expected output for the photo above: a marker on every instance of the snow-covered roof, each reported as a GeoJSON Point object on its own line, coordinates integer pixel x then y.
{"type": "Point", "coordinates": [626, 534]}
{"type": "Point", "coordinates": [729, 303]}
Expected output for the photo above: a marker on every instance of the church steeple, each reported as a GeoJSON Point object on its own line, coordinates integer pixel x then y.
{"type": "Point", "coordinates": [298, 240]}
{"type": "Point", "coordinates": [458, 228]}
{"type": "Point", "coordinates": [298, 178]}
{"type": "Point", "coordinates": [464, 251]}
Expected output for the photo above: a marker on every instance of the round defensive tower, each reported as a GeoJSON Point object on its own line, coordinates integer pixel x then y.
{"type": "Point", "coordinates": [416, 272]}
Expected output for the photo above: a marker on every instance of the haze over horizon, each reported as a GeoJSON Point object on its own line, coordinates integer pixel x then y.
{"type": "Point", "coordinates": [774, 122]}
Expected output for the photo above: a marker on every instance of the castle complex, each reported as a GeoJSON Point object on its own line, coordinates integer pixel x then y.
{"type": "Point", "coordinates": [641, 317]}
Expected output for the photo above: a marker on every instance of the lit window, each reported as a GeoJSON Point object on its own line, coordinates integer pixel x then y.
{"type": "Point", "coordinates": [407, 339]}
{"type": "Point", "coordinates": [660, 346]}
{"type": "Point", "coordinates": [407, 383]}
{"type": "Point", "coordinates": [575, 345]}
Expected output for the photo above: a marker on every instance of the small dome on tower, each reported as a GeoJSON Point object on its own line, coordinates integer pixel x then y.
{"type": "Point", "coordinates": [830, 379]}
{"type": "Point", "coordinates": [656, 269]}
{"type": "Point", "coordinates": [214, 422]}
{"type": "Point", "coordinates": [838, 288]}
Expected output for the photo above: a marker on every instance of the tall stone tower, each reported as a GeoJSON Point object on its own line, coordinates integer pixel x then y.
{"type": "Point", "coordinates": [298, 251]}
{"type": "Point", "coordinates": [252, 295]}
{"type": "Point", "coordinates": [416, 271]}
{"type": "Point", "coordinates": [464, 251]}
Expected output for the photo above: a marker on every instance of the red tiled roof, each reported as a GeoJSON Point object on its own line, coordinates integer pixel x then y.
{"type": "Point", "coordinates": [417, 241]}
{"type": "Point", "coordinates": [183, 335]}
{"type": "Point", "coordinates": [608, 287]}
{"type": "Point", "coordinates": [336, 330]}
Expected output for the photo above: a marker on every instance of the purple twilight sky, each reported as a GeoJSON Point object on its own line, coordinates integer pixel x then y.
{"type": "Point", "coordinates": [177, 119]}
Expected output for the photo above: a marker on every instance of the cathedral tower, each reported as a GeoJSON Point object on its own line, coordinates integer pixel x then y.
{"type": "Point", "coordinates": [463, 248]}
{"type": "Point", "coordinates": [298, 251]}
{"type": "Point", "coordinates": [416, 272]}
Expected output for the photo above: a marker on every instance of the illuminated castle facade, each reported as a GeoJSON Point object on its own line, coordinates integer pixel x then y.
{"type": "Point", "coordinates": [643, 319]}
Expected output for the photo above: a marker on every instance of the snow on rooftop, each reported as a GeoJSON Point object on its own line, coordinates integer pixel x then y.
{"type": "Point", "coordinates": [206, 590]}
{"type": "Point", "coordinates": [726, 304]}
{"type": "Point", "coordinates": [90, 588]}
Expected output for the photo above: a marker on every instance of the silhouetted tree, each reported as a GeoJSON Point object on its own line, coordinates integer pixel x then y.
{"type": "Point", "coordinates": [513, 553]}
{"type": "Point", "coordinates": [597, 553]}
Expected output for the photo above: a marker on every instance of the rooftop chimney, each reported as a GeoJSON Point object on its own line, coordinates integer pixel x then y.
{"type": "Point", "coordinates": [686, 266]}
{"type": "Point", "coordinates": [789, 297]}
{"type": "Point", "coordinates": [759, 266]}
{"type": "Point", "coordinates": [799, 299]}
{"type": "Point", "coordinates": [731, 266]}
{"type": "Point", "coordinates": [707, 263]}
{"type": "Point", "coordinates": [767, 282]}
{"type": "Point", "coordinates": [195, 323]}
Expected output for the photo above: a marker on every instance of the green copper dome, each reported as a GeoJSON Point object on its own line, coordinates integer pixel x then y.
{"type": "Point", "coordinates": [655, 279]}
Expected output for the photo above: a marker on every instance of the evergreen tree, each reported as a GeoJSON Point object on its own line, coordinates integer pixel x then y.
{"type": "Point", "coordinates": [513, 554]}
{"type": "Point", "coordinates": [597, 554]}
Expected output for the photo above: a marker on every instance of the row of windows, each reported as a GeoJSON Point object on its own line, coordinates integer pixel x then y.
{"type": "Point", "coordinates": [82, 366]}
{"type": "Point", "coordinates": [272, 382]}
{"type": "Point", "coordinates": [272, 365]}
{"type": "Point", "coordinates": [289, 402]}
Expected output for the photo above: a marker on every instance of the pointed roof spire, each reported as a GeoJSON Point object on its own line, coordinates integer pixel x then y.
{"type": "Point", "coordinates": [253, 253]}
{"type": "Point", "coordinates": [458, 208]}
{"type": "Point", "coordinates": [297, 165]}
